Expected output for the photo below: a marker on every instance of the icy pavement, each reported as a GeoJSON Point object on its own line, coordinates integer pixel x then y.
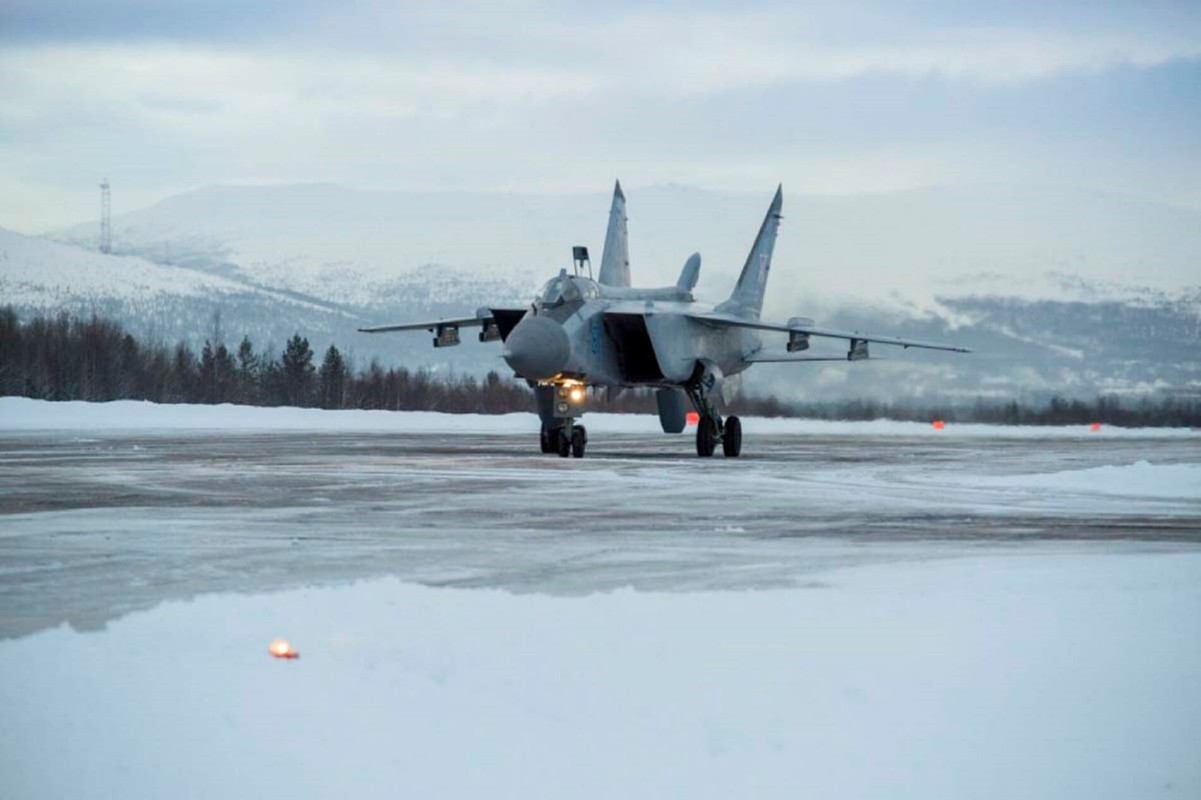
{"type": "Point", "coordinates": [961, 613]}
{"type": "Point", "coordinates": [1053, 677]}
{"type": "Point", "coordinates": [98, 522]}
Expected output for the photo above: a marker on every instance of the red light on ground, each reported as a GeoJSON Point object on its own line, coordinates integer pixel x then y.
{"type": "Point", "coordinates": [938, 424]}
{"type": "Point", "coordinates": [692, 417]}
{"type": "Point", "coordinates": [1096, 426]}
{"type": "Point", "coordinates": [281, 648]}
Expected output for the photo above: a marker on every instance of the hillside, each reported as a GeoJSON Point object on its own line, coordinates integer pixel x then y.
{"type": "Point", "coordinates": [1095, 299]}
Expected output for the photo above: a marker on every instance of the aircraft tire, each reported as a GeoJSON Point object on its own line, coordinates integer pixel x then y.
{"type": "Point", "coordinates": [562, 443]}
{"type": "Point", "coordinates": [578, 440]}
{"type": "Point", "coordinates": [706, 436]}
{"type": "Point", "coordinates": [731, 438]}
{"type": "Point", "coordinates": [549, 439]}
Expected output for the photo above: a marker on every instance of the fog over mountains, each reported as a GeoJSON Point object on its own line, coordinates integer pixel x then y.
{"type": "Point", "coordinates": [1064, 292]}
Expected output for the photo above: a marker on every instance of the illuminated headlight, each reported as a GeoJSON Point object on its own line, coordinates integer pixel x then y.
{"type": "Point", "coordinates": [577, 394]}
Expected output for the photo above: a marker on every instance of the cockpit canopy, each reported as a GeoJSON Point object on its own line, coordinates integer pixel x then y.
{"type": "Point", "coordinates": [565, 289]}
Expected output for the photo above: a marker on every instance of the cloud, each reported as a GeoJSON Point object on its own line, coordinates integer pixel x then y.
{"type": "Point", "coordinates": [559, 96]}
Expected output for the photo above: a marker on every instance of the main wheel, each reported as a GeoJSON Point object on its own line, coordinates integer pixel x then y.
{"type": "Point", "coordinates": [578, 440]}
{"type": "Point", "coordinates": [706, 436]}
{"type": "Point", "coordinates": [562, 443]}
{"type": "Point", "coordinates": [731, 438]}
{"type": "Point", "coordinates": [549, 438]}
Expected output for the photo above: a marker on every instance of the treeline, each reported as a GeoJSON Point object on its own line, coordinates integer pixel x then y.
{"type": "Point", "coordinates": [1146, 412]}
{"type": "Point", "coordinates": [65, 358]}
{"type": "Point", "coordinates": [1163, 412]}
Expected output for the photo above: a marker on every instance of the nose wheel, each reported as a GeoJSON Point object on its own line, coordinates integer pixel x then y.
{"type": "Point", "coordinates": [549, 439]}
{"type": "Point", "coordinates": [566, 440]}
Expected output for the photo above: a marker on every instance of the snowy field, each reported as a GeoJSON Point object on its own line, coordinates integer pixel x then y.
{"type": "Point", "coordinates": [850, 610]}
{"type": "Point", "coordinates": [23, 414]}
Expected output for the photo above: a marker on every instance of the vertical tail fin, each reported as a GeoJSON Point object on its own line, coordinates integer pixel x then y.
{"type": "Point", "coordinates": [615, 260]}
{"type": "Point", "coordinates": [747, 298]}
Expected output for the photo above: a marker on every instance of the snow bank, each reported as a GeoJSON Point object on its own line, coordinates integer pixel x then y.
{"type": "Point", "coordinates": [24, 414]}
{"type": "Point", "coordinates": [1141, 479]}
{"type": "Point", "coordinates": [1057, 676]}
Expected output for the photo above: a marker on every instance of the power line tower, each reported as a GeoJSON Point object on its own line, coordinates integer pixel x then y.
{"type": "Point", "coordinates": [106, 218]}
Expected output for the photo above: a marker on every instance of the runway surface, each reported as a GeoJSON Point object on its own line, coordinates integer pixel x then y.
{"type": "Point", "coordinates": [98, 524]}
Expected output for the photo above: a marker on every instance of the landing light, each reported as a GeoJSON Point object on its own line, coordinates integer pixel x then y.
{"type": "Point", "coordinates": [577, 394]}
{"type": "Point", "coordinates": [282, 648]}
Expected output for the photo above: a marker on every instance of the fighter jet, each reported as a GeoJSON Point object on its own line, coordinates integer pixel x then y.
{"type": "Point", "coordinates": [581, 333]}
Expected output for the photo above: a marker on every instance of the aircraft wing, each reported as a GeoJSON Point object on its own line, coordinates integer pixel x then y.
{"type": "Point", "coordinates": [718, 319]}
{"type": "Point", "coordinates": [496, 324]}
{"type": "Point", "coordinates": [788, 358]}
{"type": "Point", "coordinates": [433, 325]}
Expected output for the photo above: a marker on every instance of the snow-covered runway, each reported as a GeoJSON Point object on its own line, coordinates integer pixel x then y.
{"type": "Point", "coordinates": [974, 612]}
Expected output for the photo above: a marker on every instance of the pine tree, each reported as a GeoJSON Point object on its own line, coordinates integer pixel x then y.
{"type": "Point", "coordinates": [246, 380]}
{"type": "Point", "coordinates": [298, 371]}
{"type": "Point", "coordinates": [332, 379]}
{"type": "Point", "coordinates": [224, 376]}
{"type": "Point", "coordinates": [207, 377]}
{"type": "Point", "coordinates": [184, 380]}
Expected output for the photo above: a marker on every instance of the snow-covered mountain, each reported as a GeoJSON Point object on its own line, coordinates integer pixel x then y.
{"type": "Point", "coordinates": [39, 273]}
{"type": "Point", "coordinates": [345, 244]}
{"type": "Point", "coordinates": [1069, 292]}
{"type": "Point", "coordinates": [170, 302]}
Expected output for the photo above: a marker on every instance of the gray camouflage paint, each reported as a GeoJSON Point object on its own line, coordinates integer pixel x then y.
{"type": "Point", "coordinates": [573, 332]}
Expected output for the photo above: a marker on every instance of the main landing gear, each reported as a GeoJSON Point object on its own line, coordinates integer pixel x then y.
{"type": "Point", "coordinates": [568, 439]}
{"type": "Point", "coordinates": [711, 429]}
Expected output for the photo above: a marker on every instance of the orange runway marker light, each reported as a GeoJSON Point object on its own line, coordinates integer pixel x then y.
{"type": "Point", "coordinates": [692, 418]}
{"type": "Point", "coordinates": [281, 648]}
{"type": "Point", "coordinates": [1096, 426]}
{"type": "Point", "coordinates": [938, 424]}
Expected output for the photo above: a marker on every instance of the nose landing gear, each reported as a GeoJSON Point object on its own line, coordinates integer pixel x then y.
{"type": "Point", "coordinates": [559, 405]}
{"type": "Point", "coordinates": [566, 440]}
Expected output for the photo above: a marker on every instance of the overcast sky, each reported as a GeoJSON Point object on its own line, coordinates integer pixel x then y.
{"type": "Point", "coordinates": [163, 96]}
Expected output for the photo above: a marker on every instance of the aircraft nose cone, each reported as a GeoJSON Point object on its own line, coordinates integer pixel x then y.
{"type": "Point", "coordinates": [537, 349]}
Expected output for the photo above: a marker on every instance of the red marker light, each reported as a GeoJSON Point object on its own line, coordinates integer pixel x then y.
{"type": "Point", "coordinates": [1096, 426]}
{"type": "Point", "coordinates": [281, 648]}
{"type": "Point", "coordinates": [939, 424]}
{"type": "Point", "coordinates": [693, 418]}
